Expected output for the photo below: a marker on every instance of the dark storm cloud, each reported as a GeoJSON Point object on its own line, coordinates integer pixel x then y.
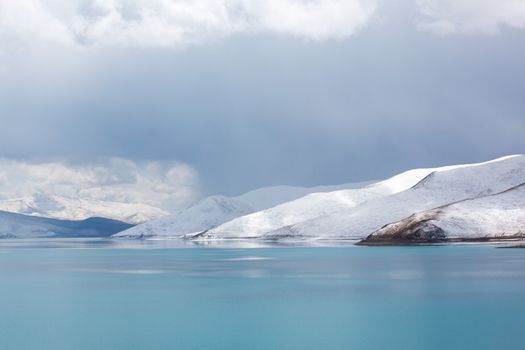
{"type": "Point", "coordinates": [261, 110]}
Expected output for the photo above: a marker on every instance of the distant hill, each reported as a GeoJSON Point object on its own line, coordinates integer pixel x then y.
{"type": "Point", "coordinates": [13, 225]}
{"type": "Point", "coordinates": [215, 210]}
{"type": "Point", "coordinates": [58, 207]}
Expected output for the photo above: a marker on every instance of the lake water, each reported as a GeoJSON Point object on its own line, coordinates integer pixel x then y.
{"type": "Point", "coordinates": [157, 295]}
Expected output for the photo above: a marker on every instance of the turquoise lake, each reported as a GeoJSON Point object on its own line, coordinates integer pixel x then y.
{"type": "Point", "coordinates": [103, 295]}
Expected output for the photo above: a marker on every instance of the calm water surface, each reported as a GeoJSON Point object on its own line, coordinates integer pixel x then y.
{"type": "Point", "coordinates": [99, 295]}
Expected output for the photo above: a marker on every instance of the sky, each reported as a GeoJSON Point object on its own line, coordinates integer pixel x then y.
{"type": "Point", "coordinates": [165, 101]}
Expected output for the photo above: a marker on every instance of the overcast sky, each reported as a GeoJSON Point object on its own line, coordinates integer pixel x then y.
{"type": "Point", "coordinates": [223, 96]}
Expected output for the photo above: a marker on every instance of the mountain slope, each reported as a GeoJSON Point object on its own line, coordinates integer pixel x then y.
{"type": "Point", "coordinates": [13, 225]}
{"type": "Point", "coordinates": [58, 207]}
{"type": "Point", "coordinates": [312, 206]}
{"type": "Point", "coordinates": [317, 205]}
{"type": "Point", "coordinates": [210, 212]}
{"type": "Point", "coordinates": [438, 188]}
{"type": "Point", "coordinates": [268, 197]}
{"type": "Point", "coordinates": [497, 216]}
{"type": "Point", "coordinates": [215, 210]}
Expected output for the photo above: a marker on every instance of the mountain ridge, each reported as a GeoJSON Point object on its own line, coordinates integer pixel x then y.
{"type": "Point", "coordinates": [352, 213]}
{"type": "Point", "coordinates": [444, 223]}
{"type": "Point", "coordinates": [59, 207]}
{"type": "Point", "coordinates": [446, 186]}
{"type": "Point", "coordinates": [217, 209]}
{"type": "Point", "coordinates": [14, 225]}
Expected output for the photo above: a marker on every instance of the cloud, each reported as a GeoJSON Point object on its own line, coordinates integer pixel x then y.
{"type": "Point", "coordinates": [471, 16]}
{"type": "Point", "coordinates": [169, 23]}
{"type": "Point", "coordinates": [178, 23]}
{"type": "Point", "coordinates": [170, 186]}
{"type": "Point", "coordinates": [318, 20]}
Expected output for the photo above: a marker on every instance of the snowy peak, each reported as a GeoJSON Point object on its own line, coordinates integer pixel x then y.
{"type": "Point", "coordinates": [348, 213]}
{"type": "Point", "coordinates": [221, 204]}
{"type": "Point", "coordinates": [477, 179]}
{"type": "Point", "coordinates": [79, 209]}
{"type": "Point", "coordinates": [439, 187]}
{"type": "Point", "coordinates": [312, 205]}
{"type": "Point", "coordinates": [268, 197]}
{"type": "Point", "coordinates": [496, 216]}
{"type": "Point", "coordinates": [215, 210]}
{"type": "Point", "coordinates": [210, 212]}
{"type": "Point", "coordinates": [279, 220]}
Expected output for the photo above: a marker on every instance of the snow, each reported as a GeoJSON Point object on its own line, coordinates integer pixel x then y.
{"type": "Point", "coordinates": [316, 205]}
{"type": "Point", "coordinates": [495, 216]}
{"type": "Point", "coordinates": [210, 212]}
{"type": "Point", "coordinates": [355, 211]}
{"type": "Point", "coordinates": [268, 197]}
{"type": "Point", "coordinates": [440, 187]}
{"type": "Point", "coordinates": [215, 210]}
{"type": "Point", "coordinates": [79, 209]}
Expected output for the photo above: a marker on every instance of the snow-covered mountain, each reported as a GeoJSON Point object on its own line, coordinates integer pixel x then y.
{"type": "Point", "coordinates": [209, 212]}
{"type": "Point", "coordinates": [13, 225]}
{"type": "Point", "coordinates": [215, 210]}
{"type": "Point", "coordinates": [439, 188]}
{"type": "Point", "coordinates": [268, 197]}
{"type": "Point", "coordinates": [497, 216]}
{"type": "Point", "coordinates": [312, 206]}
{"type": "Point", "coordinates": [58, 207]}
{"type": "Point", "coordinates": [354, 211]}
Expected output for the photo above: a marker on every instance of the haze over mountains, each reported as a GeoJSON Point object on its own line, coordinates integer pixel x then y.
{"type": "Point", "coordinates": [41, 216]}
{"type": "Point", "coordinates": [215, 210]}
{"type": "Point", "coordinates": [59, 207]}
{"type": "Point", "coordinates": [462, 202]}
